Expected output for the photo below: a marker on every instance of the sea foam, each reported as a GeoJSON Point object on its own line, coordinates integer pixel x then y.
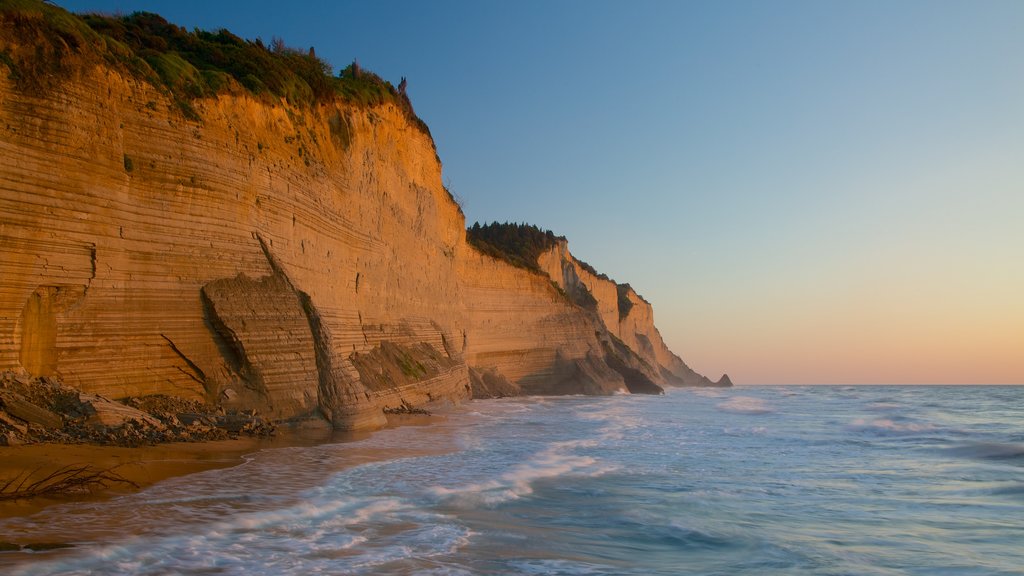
{"type": "Point", "coordinates": [745, 405]}
{"type": "Point", "coordinates": [890, 426]}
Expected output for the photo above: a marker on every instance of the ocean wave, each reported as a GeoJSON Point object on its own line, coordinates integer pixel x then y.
{"type": "Point", "coordinates": [445, 571]}
{"type": "Point", "coordinates": [1011, 490]}
{"type": "Point", "coordinates": [745, 405]}
{"type": "Point", "coordinates": [989, 451]}
{"type": "Point", "coordinates": [883, 406]}
{"type": "Point", "coordinates": [683, 536]}
{"type": "Point", "coordinates": [425, 541]}
{"type": "Point", "coordinates": [707, 392]}
{"type": "Point", "coordinates": [350, 535]}
{"type": "Point", "coordinates": [891, 426]}
{"type": "Point", "coordinates": [518, 482]}
{"type": "Point", "coordinates": [616, 422]}
{"type": "Point", "coordinates": [567, 567]}
{"type": "Point", "coordinates": [533, 495]}
{"type": "Point", "coordinates": [745, 431]}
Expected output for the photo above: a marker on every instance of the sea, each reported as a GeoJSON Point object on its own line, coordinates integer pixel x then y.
{"type": "Point", "coordinates": [822, 480]}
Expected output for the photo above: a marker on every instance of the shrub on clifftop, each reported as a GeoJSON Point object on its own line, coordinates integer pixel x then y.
{"type": "Point", "coordinates": [187, 64]}
{"type": "Point", "coordinates": [517, 244]}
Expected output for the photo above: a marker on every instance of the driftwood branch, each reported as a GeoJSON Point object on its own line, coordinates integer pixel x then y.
{"type": "Point", "coordinates": [71, 479]}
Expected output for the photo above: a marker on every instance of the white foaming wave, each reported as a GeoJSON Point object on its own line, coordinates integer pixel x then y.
{"type": "Point", "coordinates": [324, 537]}
{"type": "Point", "coordinates": [889, 426]}
{"type": "Point", "coordinates": [617, 419]}
{"type": "Point", "coordinates": [446, 571]}
{"type": "Point", "coordinates": [745, 405]}
{"type": "Point", "coordinates": [507, 408]}
{"type": "Point", "coordinates": [559, 567]}
{"type": "Point", "coordinates": [572, 445]}
{"type": "Point", "coordinates": [424, 542]}
{"type": "Point", "coordinates": [352, 511]}
{"type": "Point", "coordinates": [518, 482]}
{"type": "Point", "coordinates": [883, 406]}
{"type": "Point", "coordinates": [752, 431]}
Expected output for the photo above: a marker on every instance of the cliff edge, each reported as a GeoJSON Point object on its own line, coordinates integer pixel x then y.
{"type": "Point", "coordinates": [279, 242]}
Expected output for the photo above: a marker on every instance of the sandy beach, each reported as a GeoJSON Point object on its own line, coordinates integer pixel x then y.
{"type": "Point", "coordinates": [147, 465]}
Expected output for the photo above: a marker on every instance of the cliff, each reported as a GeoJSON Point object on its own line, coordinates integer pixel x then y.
{"type": "Point", "coordinates": [627, 317]}
{"type": "Point", "coordinates": [263, 251]}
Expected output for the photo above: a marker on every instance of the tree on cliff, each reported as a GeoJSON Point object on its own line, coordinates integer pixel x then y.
{"type": "Point", "coordinates": [185, 64]}
{"type": "Point", "coordinates": [518, 244]}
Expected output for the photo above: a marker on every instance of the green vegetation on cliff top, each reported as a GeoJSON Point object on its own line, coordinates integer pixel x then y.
{"type": "Point", "coordinates": [48, 41]}
{"type": "Point", "coordinates": [518, 244]}
{"type": "Point", "coordinates": [522, 244]}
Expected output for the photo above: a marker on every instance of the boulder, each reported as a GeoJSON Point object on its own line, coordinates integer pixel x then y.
{"type": "Point", "coordinates": [6, 421]}
{"type": "Point", "coordinates": [15, 405]}
{"type": "Point", "coordinates": [103, 412]}
{"type": "Point", "coordinates": [10, 439]}
{"type": "Point", "coordinates": [196, 418]}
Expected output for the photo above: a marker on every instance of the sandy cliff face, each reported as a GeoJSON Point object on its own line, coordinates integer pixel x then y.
{"type": "Point", "coordinates": [627, 318]}
{"type": "Point", "coordinates": [244, 258]}
{"type": "Point", "coordinates": [522, 328]}
{"type": "Point", "coordinates": [304, 262]}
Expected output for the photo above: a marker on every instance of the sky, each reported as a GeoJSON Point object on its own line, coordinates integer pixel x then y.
{"type": "Point", "coordinates": [808, 192]}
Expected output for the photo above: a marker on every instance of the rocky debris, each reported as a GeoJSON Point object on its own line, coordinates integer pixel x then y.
{"type": "Point", "coordinates": [724, 381]}
{"type": "Point", "coordinates": [10, 439]}
{"type": "Point", "coordinates": [22, 409]}
{"type": "Point", "coordinates": [34, 410]}
{"type": "Point", "coordinates": [166, 407]}
{"type": "Point", "coordinates": [248, 422]}
{"type": "Point", "coordinates": [103, 412]}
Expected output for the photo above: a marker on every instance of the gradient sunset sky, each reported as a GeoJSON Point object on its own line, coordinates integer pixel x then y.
{"type": "Point", "coordinates": [808, 192]}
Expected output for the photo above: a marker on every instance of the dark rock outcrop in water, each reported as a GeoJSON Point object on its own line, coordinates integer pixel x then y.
{"type": "Point", "coordinates": [181, 232]}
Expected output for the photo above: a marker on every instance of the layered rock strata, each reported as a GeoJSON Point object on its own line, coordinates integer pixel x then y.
{"type": "Point", "coordinates": [303, 261]}
{"type": "Point", "coordinates": [625, 315]}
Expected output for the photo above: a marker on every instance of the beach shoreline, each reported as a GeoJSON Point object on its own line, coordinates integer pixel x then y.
{"type": "Point", "coordinates": [144, 466]}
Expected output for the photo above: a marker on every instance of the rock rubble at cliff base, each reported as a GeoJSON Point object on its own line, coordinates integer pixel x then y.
{"type": "Point", "coordinates": [44, 410]}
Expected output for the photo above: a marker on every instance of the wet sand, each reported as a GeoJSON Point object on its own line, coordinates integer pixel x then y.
{"type": "Point", "coordinates": [147, 465]}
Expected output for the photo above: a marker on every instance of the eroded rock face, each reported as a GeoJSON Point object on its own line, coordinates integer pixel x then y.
{"type": "Point", "coordinates": [628, 324]}
{"type": "Point", "coordinates": [130, 234]}
{"type": "Point", "coordinates": [259, 258]}
{"type": "Point", "coordinates": [268, 345]}
{"type": "Point", "coordinates": [521, 327]}
{"type": "Point", "coordinates": [490, 384]}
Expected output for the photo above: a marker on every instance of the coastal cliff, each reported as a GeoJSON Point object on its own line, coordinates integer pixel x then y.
{"type": "Point", "coordinates": [253, 250]}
